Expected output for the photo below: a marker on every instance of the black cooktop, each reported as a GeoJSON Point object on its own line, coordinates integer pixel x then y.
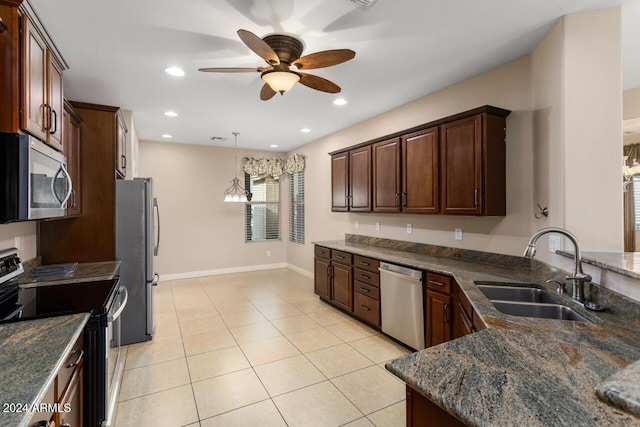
{"type": "Point", "coordinates": [52, 300]}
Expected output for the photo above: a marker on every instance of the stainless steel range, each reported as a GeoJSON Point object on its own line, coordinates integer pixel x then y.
{"type": "Point", "coordinates": [105, 300]}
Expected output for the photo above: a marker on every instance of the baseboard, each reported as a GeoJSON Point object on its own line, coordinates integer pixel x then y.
{"type": "Point", "coordinates": [216, 272]}
{"type": "Point", "coordinates": [299, 270]}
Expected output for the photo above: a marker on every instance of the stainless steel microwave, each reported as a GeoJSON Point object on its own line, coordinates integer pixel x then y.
{"type": "Point", "coordinates": [34, 182]}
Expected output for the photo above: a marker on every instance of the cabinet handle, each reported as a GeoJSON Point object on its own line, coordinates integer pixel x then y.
{"type": "Point", "coordinates": [78, 359]}
{"type": "Point", "coordinates": [475, 197]}
{"type": "Point", "coordinates": [346, 201]}
{"type": "Point", "coordinates": [365, 308]}
{"type": "Point", "coordinates": [73, 198]}
{"type": "Point", "coordinates": [446, 309]}
{"type": "Point", "coordinates": [397, 198]}
{"type": "Point", "coordinates": [55, 122]}
{"type": "Point", "coordinates": [339, 257]}
{"type": "Point", "coordinates": [404, 199]}
{"type": "Point", "coordinates": [364, 263]}
{"type": "Point", "coordinates": [365, 290]}
{"type": "Point", "coordinates": [47, 114]}
{"type": "Point", "coordinates": [364, 276]}
{"type": "Point", "coordinates": [3, 26]}
{"type": "Point", "coordinates": [433, 282]}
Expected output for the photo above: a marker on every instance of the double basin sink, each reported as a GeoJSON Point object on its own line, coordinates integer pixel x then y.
{"type": "Point", "coordinates": [527, 301]}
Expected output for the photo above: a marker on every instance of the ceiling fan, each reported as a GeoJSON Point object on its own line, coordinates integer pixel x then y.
{"type": "Point", "coordinates": [282, 53]}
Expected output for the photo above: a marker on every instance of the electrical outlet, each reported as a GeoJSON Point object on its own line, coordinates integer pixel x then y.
{"type": "Point", "coordinates": [457, 233]}
{"type": "Point", "coordinates": [268, 253]}
{"type": "Point", "coordinates": [554, 243]}
{"type": "Point", "coordinates": [357, 225]}
{"type": "Point", "coordinates": [377, 226]}
{"type": "Point", "coordinates": [409, 228]}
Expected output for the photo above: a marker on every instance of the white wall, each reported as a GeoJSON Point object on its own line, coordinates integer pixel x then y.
{"type": "Point", "coordinates": [200, 234]}
{"type": "Point", "coordinates": [21, 235]}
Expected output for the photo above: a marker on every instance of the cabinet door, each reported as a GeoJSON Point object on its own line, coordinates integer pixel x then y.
{"type": "Point", "coordinates": [342, 289]}
{"type": "Point", "coordinates": [322, 282]}
{"type": "Point", "coordinates": [72, 147]}
{"type": "Point", "coordinates": [420, 172]}
{"type": "Point", "coordinates": [462, 325]}
{"type": "Point", "coordinates": [340, 182]}
{"type": "Point", "coordinates": [360, 179]}
{"type": "Point", "coordinates": [55, 101]}
{"type": "Point", "coordinates": [461, 163]}
{"type": "Point", "coordinates": [386, 176]}
{"type": "Point", "coordinates": [35, 113]}
{"type": "Point", "coordinates": [438, 318]}
{"type": "Point", "coordinates": [71, 402]}
{"type": "Point", "coordinates": [121, 146]}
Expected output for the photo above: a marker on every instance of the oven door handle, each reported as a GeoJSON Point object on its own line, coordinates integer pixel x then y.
{"type": "Point", "coordinates": [114, 316]}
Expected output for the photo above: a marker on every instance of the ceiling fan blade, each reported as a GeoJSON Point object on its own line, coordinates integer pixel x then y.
{"type": "Point", "coordinates": [266, 93]}
{"type": "Point", "coordinates": [259, 46]}
{"type": "Point", "coordinates": [325, 58]}
{"type": "Point", "coordinates": [318, 83]}
{"type": "Point", "coordinates": [233, 70]}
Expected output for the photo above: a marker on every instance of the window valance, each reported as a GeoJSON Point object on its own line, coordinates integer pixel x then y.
{"type": "Point", "coordinates": [273, 167]}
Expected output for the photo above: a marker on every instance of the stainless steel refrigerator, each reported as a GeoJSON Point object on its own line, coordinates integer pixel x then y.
{"type": "Point", "coordinates": [137, 242]}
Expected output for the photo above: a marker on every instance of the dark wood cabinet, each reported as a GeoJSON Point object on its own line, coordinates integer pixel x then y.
{"type": "Point", "coordinates": [322, 274]}
{"type": "Point", "coordinates": [386, 176]}
{"type": "Point", "coordinates": [463, 314]}
{"type": "Point", "coordinates": [422, 412]}
{"type": "Point", "coordinates": [366, 290]}
{"type": "Point", "coordinates": [473, 166]}
{"type": "Point", "coordinates": [42, 89]}
{"type": "Point", "coordinates": [72, 145]}
{"type": "Point", "coordinates": [89, 237]}
{"type": "Point", "coordinates": [342, 285]}
{"type": "Point", "coordinates": [420, 172]}
{"type": "Point", "coordinates": [439, 325]}
{"type": "Point", "coordinates": [121, 146]}
{"type": "Point", "coordinates": [455, 165]}
{"type": "Point", "coordinates": [351, 181]}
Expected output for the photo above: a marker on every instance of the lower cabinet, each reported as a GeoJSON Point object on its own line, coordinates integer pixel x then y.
{"type": "Point", "coordinates": [342, 277]}
{"type": "Point", "coordinates": [322, 273]}
{"type": "Point", "coordinates": [423, 412]}
{"type": "Point", "coordinates": [438, 313]}
{"type": "Point", "coordinates": [63, 404]}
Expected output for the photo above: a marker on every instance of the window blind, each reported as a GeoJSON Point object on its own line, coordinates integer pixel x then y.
{"type": "Point", "coordinates": [262, 213]}
{"type": "Point", "coordinates": [296, 207]}
{"type": "Point", "coordinates": [636, 202]}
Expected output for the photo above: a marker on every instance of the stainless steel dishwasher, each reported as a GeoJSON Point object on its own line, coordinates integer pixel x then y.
{"type": "Point", "coordinates": [401, 302]}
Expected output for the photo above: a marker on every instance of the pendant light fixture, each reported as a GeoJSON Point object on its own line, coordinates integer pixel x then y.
{"type": "Point", "coordinates": [235, 193]}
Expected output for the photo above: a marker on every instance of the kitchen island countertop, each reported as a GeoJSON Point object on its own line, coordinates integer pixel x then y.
{"type": "Point", "coordinates": [33, 351]}
{"type": "Point", "coordinates": [86, 272]}
{"type": "Point", "coordinates": [520, 370]}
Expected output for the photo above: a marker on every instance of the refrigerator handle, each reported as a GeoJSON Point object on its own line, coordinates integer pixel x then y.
{"type": "Point", "coordinates": [156, 247]}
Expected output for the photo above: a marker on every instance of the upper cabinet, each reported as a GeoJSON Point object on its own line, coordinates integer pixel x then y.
{"type": "Point", "coordinates": [351, 180]}
{"type": "Point", "coordinates": [121, 146]}
{"type": "Point", "coordinates": [31, 76]}
{"type": "Point", "coordinates": [72, 150]}
{"type": "Point", "coordinates": [454, 165]}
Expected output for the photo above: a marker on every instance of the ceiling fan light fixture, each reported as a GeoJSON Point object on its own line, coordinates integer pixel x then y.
{"type": "Point", "coordinates": [280, 81]}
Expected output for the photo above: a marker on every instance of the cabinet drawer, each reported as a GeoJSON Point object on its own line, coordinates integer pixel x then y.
{"type": "Point", "coordinates": [368, 277]}
{"type": "Point", "coordinates": [322, 252]}
{"type": "Point", "coordinates": [70, 364]}
{"type": "Point", "coordinates": [341, 257]}
{"type": "Point", "coordinates": [366, 289]}
{"type": "Point", "coordinates": [365, 263]}
{"type": "Point", "coordinates": [367, 309]}
{"type": "Point", "coordinates": [439, 283]}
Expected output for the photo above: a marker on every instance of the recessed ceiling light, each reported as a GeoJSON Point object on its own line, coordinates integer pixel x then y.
{"type": "Point", "coordinates": [171, 114]}
{"type": "Point", "coordinates": [274, 146]}
{"type": "Point", "coordinates": [339, 101]}
{"type": "Point", "coordinates": [174, 71]}
{"type": "Point", "coordinates": [305, 130]}
{"type": "Point", "coordinates": [166, 135]}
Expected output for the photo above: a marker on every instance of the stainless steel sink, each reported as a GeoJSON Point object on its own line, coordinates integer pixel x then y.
{"type": "Point", "coordinates": [528, 301]}
{"type": "Point", "coordinates": [545, 311]}
{"type": "Point", "coordinates": [516, 293]}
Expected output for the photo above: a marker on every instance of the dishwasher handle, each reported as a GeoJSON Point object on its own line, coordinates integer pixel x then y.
{"type": "Point", "coordinates": [403, 276]}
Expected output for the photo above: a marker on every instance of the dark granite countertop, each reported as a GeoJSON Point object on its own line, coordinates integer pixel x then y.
{"type": "Point", "coordinates": [33, 351]}
{"type": "Point", "coordinates": [520, 370]}
{"type": "Point", "coordinates": [625, 263]}
{"type": "Point", "coordinates": [86, 272]}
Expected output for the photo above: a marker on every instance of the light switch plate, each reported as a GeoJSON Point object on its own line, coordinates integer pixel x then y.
{"type": "Point", "coordinates": [409, 228]}
{"type": "Point", "coordinates": [378, 226]}
{"type": "Point", "coordinates": [457, 233]}
{"type": "Point", "coordinates": [357, 225]}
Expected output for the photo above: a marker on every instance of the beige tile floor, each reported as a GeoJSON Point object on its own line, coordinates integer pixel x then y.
{"type": "Point", "coordinates": [257, 348]}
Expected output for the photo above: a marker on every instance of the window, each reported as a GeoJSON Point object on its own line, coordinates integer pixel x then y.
{"type": "Point", "coordinates": [262, 215]}
{"type": "Point", "coordinates": [636, 201]}
{"type": "Point", "coordinates": [296, 207]}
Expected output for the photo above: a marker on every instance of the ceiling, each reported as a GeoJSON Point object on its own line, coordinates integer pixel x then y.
{"type": "Point", "coordinates": [117, 51]}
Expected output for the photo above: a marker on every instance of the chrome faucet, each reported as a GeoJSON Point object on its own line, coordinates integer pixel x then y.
{"type": "Point", "coordinates": [578, 277]}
